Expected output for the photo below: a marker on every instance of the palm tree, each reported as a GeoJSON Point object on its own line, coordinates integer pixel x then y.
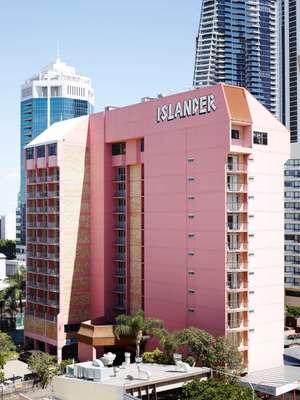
{"type": "Point", "coordinates": [170, 342]}
{"type": "Point", "coordinates": [138, 326]}
{"type": "Point", "coordinates": [16, 287]}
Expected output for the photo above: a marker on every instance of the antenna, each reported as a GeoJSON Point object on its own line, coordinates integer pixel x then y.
{"type": "Point", "coordinates": [57, 52]}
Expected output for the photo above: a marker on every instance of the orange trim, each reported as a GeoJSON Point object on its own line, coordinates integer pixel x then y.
{"type": "Point", "coordinates": [237, 104]}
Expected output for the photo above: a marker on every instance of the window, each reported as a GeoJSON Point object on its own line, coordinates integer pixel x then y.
{"type": "Point", "coordinates": [190, 159]}
{"type": "Point", "coordinates": [118, 148]}
{"type": "Point", "coordinates": [260, 138]}
{"type": "Point", "coordinates": [191, 272]}
{"type": "Point", "coordinates": [142, 145]}
{"type": "Point", "coordinates": [71, 328]}
{"type": "Point", "coordinates": [52, 149]}
{"type": "Point", "coordinates": [30, 153]}
{"type": "Point", "coordinates": [191, 178]}
{"type": "Point", "coordinates": [235, 134]}
{"type": "Point", "coordinates": [40, 151]}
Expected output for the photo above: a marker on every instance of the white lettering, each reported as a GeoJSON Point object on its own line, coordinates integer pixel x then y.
{"type": "Point", "coordinates": [187, 108]}
{"type": "Point", "coordinates": [203, 105]}
{"type": "Point", "coordinates": [211, 103]}
{"type": "Point", "coordinates": [178, 110]}
{"type": "Point", "coordinates": [195, 106]}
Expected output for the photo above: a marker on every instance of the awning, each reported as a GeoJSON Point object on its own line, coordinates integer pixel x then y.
{"type": "Point", "coordinates": [273, 381]}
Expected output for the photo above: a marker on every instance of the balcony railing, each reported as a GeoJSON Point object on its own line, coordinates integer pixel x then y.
{"type": "Point", "coordinates": [237, 226]}
{"type": "Point", "coordinates": [41, 179]}
{"type": "Point", "coordinates": [31, 179]}
{"type": "Point", "coordinates": [120, 209]}
{"type": "Point", "coordinates": [41, 209]}
{"type": "Point", "coordinates": [120, 177]}
{"type": "Point", "coordinates": [236, 247]}
{"type": "Point", "coordinates": [53, 209]}
{"type": "Point", "coordinates": [31, 209]}
{"type": "Point", "coordinates": [41, 270]}
{"type": "Point", "coordinates": [120, 272]}
{"type": "Point", "coordinates": [236, 305]}
{"type": "Point", "coordinates": [236, 187]}
{"type": "Point", "coordinates": [237, 207]}
{"type": "Point", "coordinates": [54, 288]}
{"type": "Point", "coordinates": [236, 167]}
{"type": "Point", "coordinates": [120, 257]}
{"type": "Point", "coordinates": [51, 318]}
{"type": "Point", "coordinates": [120, 288]}
{"type": "Point", "coordinates": [52, 271]}
{"type": "Point", "coordinates": [120, 225]}
{"type": "Point", "coordinates": [53, 256]}
{"type": "Point", "coordinates": [53, 178]}
{"type": "Point", "coordinates": [237, 325]}
{"type": "Point", "coordinates": [52, 225]}
{"type": "Point", "coordinates": [120, 193]}
{"type": "Point", "coordinates": [237, 285]}
{"type": "Point", "coordinates": [41, 194]}
{"type": "Point", "coordinates": [237, 266]}
{"type": "Point", "coordinates": [53, 193]}
{"type": "Point", "coordinates": [120, 241]}
{"type": "Point", "coordinates": [52, 303]}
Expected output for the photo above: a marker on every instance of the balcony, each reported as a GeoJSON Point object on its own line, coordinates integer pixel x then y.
{"type": "Point", "coordinates": [236, 306]}
{"type": "Point", "coordinates": [120, 194]}
{"type": "Point", "coordinates": [120, 288]}
{"type": "Point", "coordinates": [41, 285]}
{"type": "Point", "coordinates": [31, 210]}
{"type": "Point", "coordinates": [237, 266]}
{"type": "Point", "coordinates": [120, 210]}
{"type": "Point", "coordinates": [53, 193]}
{"type": "Point", "coordinates": [52, 225]}
{"type": "Point", "coordinates": [53, 209]}
{"type": "Point", "coordinates": [237, 187]}
{"type": "Point", "coordinates": [120, 257]}
{"type": "Point", "coordinates": [120, 178]}
{"type": "Point", "coordinates": [120, 272]}
{"type": "Point", "coordinates": [237, 326]}
{"type": "Point", "coordinates": [31, 179]}
{"type": "Point", "coordinates": [237, 226]}
{"type": "Point", "coordinates": [41, 254]}
{"type": "Point", "coordinates": [53, 178]}
{"type": "Point", "coordinates": [53, 256]}
{"type": "Point", "coordinates": [31, 268]}
{"type": "Point", "coordinates": [236, 167]}
{"type": "Point", "coordinates": [31, 284]}
{"type": "Point", "coordinates": [31, 195]}
{"type": "Point", "coordinates": [237, 286]}
{"type": "Point", "coordinates": [52, 271]}
{"type": "Point", "coordinates": [41, 179]}
{"type": "Point", "coordinates": [41, 209]}
{"type": "Point", "coordinates": [120, 225]}
{"type": "Point", "coordinates": [237, 247]}
{"type": "Point", "coordinates": [41, 270]}
{"type": "Point", "coordinates": [120, 242]}
{"type": "Point", "coordinates": [51, 318]}
{"type": "Point", "coordinates": [53, 287]}
{"type": "Point", "coordinates": [41, 194]}
{"type": "Point", "coordinates": [53, 303]}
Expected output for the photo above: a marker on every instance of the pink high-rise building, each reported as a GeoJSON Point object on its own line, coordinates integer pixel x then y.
{"type": "Point", "coordinates": [174, 206]}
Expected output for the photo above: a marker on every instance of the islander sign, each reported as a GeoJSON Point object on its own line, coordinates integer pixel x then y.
{"type": "Point", "coordinates": [187, 108]}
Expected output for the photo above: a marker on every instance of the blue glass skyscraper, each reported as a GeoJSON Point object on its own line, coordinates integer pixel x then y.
{"type": "Point", "coordinates": [237, 44]}
{"type": "Point", "coordinates": [54, 94]}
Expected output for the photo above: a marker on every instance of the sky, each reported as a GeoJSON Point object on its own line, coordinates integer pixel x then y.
{"type": "Point", "coordinates": [129, 48]}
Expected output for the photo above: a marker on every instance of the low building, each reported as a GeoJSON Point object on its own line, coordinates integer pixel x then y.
{"type": "Point", "coordinates": [126, 384]}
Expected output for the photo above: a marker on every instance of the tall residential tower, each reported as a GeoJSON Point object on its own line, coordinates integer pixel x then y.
{"type": "Point", "coordinates": [54, 94]}
{"type": "Point", "coordinates": [290, 50]}
{"type": "Point", "coordinates": [237, 44]}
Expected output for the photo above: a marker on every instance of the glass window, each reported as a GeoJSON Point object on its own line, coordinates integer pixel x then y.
{"type": "Point", "coordinates": [142, 145]}
{"type": "Point", "coordinates": [40, 151]}
{"type": "Point", "coordinates": [235, 134]}
{"type": "Point", "coordinates": [260, 138]}
{"type": "Point", "coordinates": [118, 148]}
{"type": "Point", "coordinates": [30, 153]}
{"type": "Point", "coordinates": [52, 149]}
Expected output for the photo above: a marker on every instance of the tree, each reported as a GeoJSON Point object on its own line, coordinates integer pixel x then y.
{"type": "Point", "coordinates": [44, 366]}
{"type": "Point", "coordinates": [293, 311]}
{"type": "Point", "coordinates": [16, 287]}
{"type": "Point", "coordinates": [169, 341]}
{"type": "Point", "coordinates": [216, 390]}
{"type": "Point", "coordinates": [137, 326]}
{"type": "Point", "coordinates": [8, 248]}
{"type": "Point", "coordinates": [2, 302]}
{"type": "Point", "coordinates": [6, 347]}
{"type": "Point", "coordinates": [225, 356]}
{"type": "Point", "coordinates": [200, 343]}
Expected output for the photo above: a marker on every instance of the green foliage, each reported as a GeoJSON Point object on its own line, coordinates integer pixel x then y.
{"type": "Point", "coordinates": [190, 360]}
{"type": "Point", "coordinates": [293, 311]}
{"type": "Point", "coordinates": [2, 376]}
{"type": "Point", "coordinates": [15, 293]}
{"type": "Point", "coordinates": [215, 390]}
{"type": "Point", "coordinates": [169, 341]}
{"type": "Point", "coordinates": [64, 363]}
{"type": "Point", "coordinates": [8, 248]}
{"type": "Point", "coordinates": [136, 325]}
{"type": "Point", "coordinates": [7, 346]}
{"type": "Point", "coordinates": [44, 366]}
{"type": "Point", "coordinates": [200, 343]}
{"type": "Point", "coordinates": [155, 357]}
{"type": "Point", "coordinates": [225, 356]}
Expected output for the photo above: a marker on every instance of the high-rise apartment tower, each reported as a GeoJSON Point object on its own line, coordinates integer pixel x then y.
{"type": "Point", "coordinates": [54, 94]}
{"type": "Point", "coordinates": [237, 44]}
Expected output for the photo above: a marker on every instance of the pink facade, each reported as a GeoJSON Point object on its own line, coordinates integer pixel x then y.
{"type": "Point", "coordinates": [186, 216]}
